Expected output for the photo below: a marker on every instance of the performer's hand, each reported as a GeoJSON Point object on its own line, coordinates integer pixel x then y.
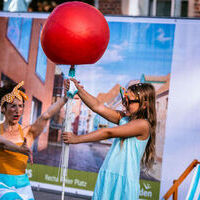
{"type": "Point", "coordinates": [69, 138]}
{"type": "Point", "coordinates": [66, 86]}
{"type": "Point", "coordinates": [25, 150]}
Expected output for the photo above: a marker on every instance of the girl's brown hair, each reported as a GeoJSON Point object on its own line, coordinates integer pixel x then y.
{"type": "Point", "coordinates": [145, 92]}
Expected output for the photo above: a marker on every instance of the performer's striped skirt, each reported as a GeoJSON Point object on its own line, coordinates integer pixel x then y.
{"type": "Point", "coordinates": [15, 187]}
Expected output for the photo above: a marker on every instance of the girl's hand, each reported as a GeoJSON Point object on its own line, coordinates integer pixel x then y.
{"type": "Point", "coordinates": [69, 138]}
{"type": "Point", "coordinates": [26, 151]}
{"type": "Point", "coordinates": [77, 83]}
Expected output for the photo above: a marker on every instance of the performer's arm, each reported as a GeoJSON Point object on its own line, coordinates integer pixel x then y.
{"type": "Point", "coordinates": [7, 145]}
{"type": "Point", "coordinates": [96, 106]}
{"type": "Point", "coordinates": [37, 127]}
{"type": "Point", "coordinates": [137, 128]}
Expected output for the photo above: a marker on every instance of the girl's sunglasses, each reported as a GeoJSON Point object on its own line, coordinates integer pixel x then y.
{"type": "Point", "coordinates": [126, 101]}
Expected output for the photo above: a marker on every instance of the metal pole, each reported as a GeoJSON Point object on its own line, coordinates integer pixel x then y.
{"type": "Point", "coordinates": [65, 158]}
{"type": "Point", "coordinates": [173, 8]}
{"type": "Point", "coordinates": [154, 8]}
{"type": "Point", "coordinates": [68, 128]}
{"type": "Point", "coordinates": [176, 8]}
{"type": "Point", "coordinates": [96, 4]}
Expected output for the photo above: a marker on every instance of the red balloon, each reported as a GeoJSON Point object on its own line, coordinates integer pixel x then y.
{"type": "Point", "coordinates": [75, 33]}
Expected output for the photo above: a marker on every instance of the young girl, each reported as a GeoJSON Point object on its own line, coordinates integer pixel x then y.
{"type": "Point", "coordinates": [118, 178]}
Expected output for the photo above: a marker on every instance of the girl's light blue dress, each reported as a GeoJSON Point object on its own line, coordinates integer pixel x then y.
{"type": "Point", "coordinates": [118, 178]}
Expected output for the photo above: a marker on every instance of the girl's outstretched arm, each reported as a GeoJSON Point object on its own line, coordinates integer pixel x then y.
{"type": "Point", "coordinates": [96, 106]}
{"type": "Point", "coordinates": [136, 128]}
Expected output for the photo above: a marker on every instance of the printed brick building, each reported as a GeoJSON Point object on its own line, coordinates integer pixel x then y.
{"type": "Point", "coordinates": [22, 59]}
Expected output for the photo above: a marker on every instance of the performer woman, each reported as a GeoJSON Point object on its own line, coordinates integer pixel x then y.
{"type": "Point", "coordinates": [118, 178]}
{"type": "Point", "coordinates": [14, 183]}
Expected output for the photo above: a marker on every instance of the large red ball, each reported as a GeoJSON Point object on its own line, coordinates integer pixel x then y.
{"type": "Point", "coordinates": [75, 33]}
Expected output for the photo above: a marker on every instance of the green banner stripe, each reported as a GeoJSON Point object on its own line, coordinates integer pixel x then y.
{"type": "Point", "coordinates": [84, 180]}
{"type": "Point", "coordinates": [75, 179]}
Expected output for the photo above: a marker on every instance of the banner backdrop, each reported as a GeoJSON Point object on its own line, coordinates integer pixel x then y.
{"type": "Point", "coordinates": [140, 50]}
{"type": "Point", "coordinates": [182, 141]}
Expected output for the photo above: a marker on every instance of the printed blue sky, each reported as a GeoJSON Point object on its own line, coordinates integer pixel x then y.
{"type": "Point", "coordinates": [134, 49]}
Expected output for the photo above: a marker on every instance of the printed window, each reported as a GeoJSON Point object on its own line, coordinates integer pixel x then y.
{"type": "Point", "coordinates": [166, 103]}
{"type": "Point", "coordinates": [157, 106]}
{"type": "Point", "coordinates": [36, 108]}
{"type": "Point", "coordinates": [19, 33]}
{"type": "Point", "coordinates": [41, 64]}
